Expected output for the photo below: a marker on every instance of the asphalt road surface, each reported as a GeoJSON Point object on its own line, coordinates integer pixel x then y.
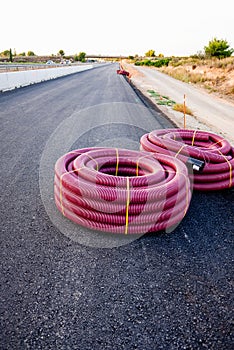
{"type": "Point", "coordinates": [63, 287]}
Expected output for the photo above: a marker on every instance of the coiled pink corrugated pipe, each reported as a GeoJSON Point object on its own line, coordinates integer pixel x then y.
{"type": "Point", "coordinates": [211, 156]}
{"type": "Point", "coordinates": [121, 191]}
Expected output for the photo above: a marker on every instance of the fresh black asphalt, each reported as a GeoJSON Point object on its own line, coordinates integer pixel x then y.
{"type": "Point", "coordinates": [161, 291]}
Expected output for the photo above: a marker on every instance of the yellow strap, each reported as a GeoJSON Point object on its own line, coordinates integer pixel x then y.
{"type": "Point", "coordinates": [216, 143]}
{"type": "Point", "coordinates": [137, 163]}
{"type": "Point", "coordinates": [127, 206]}
{"type": "Point", "coordinates": [117, 162]}
{"type": "Point", "coordinates": [230, 167]}
{"type": "Point", "coordinates": [137, 167]}
{"type": "Point", "coordinates": [180, 150]}
{"type": "Point", "coordinates": [90, 157]}
{"type": "Point", "coordinates": [193, 139]}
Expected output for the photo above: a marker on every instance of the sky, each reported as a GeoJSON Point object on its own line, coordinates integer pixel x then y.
{"type": "Point", "coordinates": [123, 27]}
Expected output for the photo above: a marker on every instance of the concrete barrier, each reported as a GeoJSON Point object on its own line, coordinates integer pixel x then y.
{"type": "Point", "coordinates": [12, 80]}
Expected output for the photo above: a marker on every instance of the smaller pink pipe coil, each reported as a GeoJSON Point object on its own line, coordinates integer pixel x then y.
{"type": "Point", "coordinates": [121, 191]}
{"type": "Point", "coordinates": [214, 150]}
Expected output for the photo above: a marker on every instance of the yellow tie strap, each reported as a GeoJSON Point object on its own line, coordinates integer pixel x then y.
{"type": "Point", "coordinates": [230, 167]}
{"type": "Point", "coordinates": [127, 206]}
{"type": "Point", "coordinates": [193, 139]}
{"type": "Point", "coordinates": [117, 162]}
{"type": "Point", "coordinates": [180, 150]}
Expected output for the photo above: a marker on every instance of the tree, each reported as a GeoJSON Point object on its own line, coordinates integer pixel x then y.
{"type": "Point", "coordinates": [30, 53]}
{"type": "Point", "coordinates": [61, 53]}
{"type": "Point", "coordinates": [80, 57]}
{"type": "Point", "coordinates": [10, 56]}
{"type": "Point", "coordinates": [5, 53]}
{"type": "Point", "coordinates": [150, 53]}
{"type": "Point", "coordinates": [218, 48]}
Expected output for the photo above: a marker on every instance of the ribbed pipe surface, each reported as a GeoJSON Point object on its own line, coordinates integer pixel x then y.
{"type": "Point", "coordinates": [214, 150]}
{"type": "Point", "coordinates": [121, 191]}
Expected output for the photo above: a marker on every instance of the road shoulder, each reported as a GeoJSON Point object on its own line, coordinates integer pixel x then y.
{"type": "Point", "coordinates": [195, 121]}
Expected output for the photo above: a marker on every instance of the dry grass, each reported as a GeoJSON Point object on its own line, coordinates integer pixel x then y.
{"type": "Point", "coordinates": [214, 75]}
{"type": "Point", "coordinates": [185, 75]}
{"type": "Point", "coordinates": [211, 62]}
{"type": "Point", "coordinates": [179, 107]}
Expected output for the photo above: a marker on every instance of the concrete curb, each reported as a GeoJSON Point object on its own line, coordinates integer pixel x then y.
{"type": "Point", "coordinates": [12, 80]}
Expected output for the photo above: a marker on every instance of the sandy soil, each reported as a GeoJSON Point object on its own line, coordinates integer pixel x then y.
{"type": "Point", "coordinates": [218, 81]}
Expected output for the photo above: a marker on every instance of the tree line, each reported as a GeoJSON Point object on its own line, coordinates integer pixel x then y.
{"type": "Point", "coordinates": [219, 48]}
{"type": "Point", "coordinates": [9, 55]}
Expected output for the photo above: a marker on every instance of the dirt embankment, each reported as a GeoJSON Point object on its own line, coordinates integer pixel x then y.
{"type": "Point", "coordinates": [214, 75]}
{"type": "Point", "coordinates": [202, 117]}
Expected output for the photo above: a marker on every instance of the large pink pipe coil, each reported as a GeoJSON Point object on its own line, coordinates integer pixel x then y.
{"type": "Point", "coordinates": [121, 191]}
{"type": "Point", "coordinates": [214, 150]}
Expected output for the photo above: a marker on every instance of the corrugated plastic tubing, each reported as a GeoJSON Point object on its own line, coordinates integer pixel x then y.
{"type": "Point", "coordinates": [214, 150]}
{"type": "Point", "coordinates": [121, 191]}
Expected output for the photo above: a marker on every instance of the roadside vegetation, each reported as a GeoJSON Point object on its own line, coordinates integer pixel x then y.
{"type": "Point", "coordinates": [213, 74]}
{"type": "Point", "coordinates": [153, 62]}
{"type": "Point", "coordinates": [212, 68]}
{"type": "Point", "coordinates": [160, 99]}
{"type": "Point", "coordinates": [179, 107]}
{"type": "Point", "coordinates": [166, 101]}
{"type": "Point", "coordinates": [30, 57]}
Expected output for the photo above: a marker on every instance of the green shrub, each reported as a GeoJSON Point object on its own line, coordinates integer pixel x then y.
{"type": "Point", "coordinates": [160, 99]}
{"type": "Point", "coordinates": [218, 48]}
{"type": "Point", "coordinates": [154, 63]}
{"type": "Point", "coordinates": [30, 53]}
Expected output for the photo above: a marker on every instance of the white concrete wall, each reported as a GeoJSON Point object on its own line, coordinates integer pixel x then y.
{"type": "Point", "coordinates": [11, 80]}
